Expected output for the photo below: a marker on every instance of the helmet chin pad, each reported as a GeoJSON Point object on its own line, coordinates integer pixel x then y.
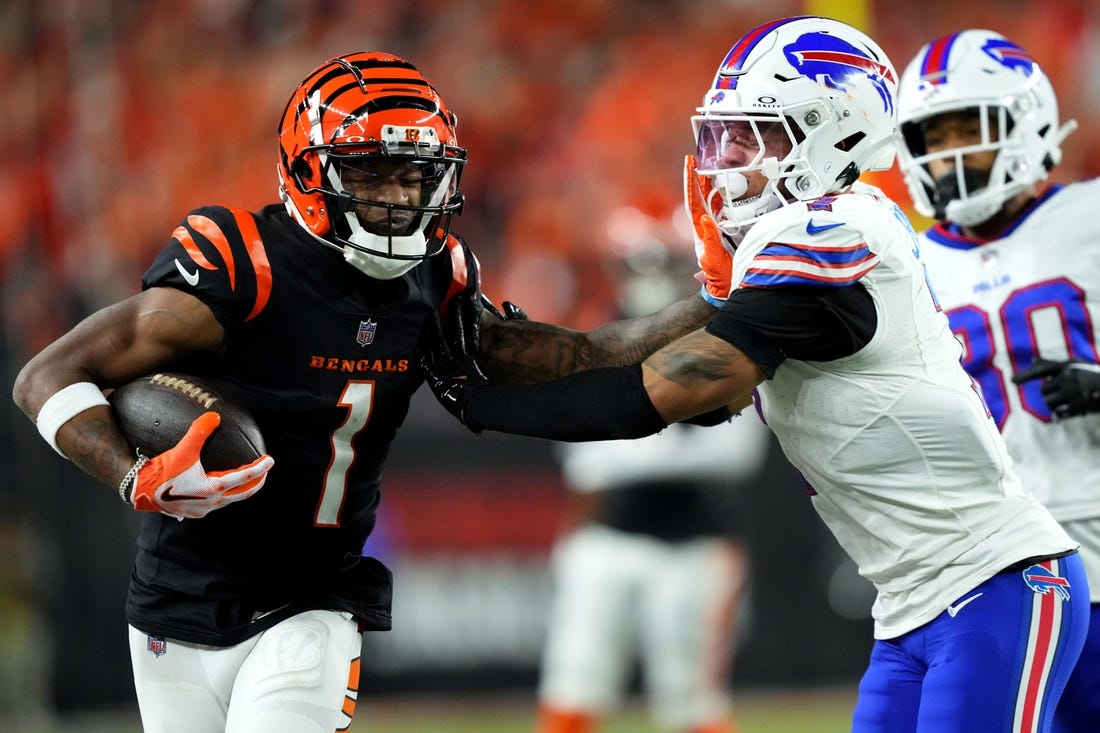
{"type": "Point", "coordinates": [386, 268]}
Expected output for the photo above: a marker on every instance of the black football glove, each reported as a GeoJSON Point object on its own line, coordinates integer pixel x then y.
{"type": "Point", "coordinates": [450, 368]}
{"type": "Point", "coordinates": [512, 312]}
{"type": "Point", "coordinates": [1069, 388]}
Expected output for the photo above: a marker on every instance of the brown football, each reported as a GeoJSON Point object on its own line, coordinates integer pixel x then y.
{"type": "Point", "coordinates": [155, 411]}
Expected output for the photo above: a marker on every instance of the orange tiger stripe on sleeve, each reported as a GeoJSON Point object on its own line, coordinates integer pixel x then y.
{"type": "Point", "coordinates": [254, 246]}
{"type": "Point", "coordinates": [258, 255]}
{"type": "Point", "coordinates": [208, 228]}
{"type": "Point", "coordinates": [352, 690]}
{"type": "Point", "coordinates": [353, 675]}
{"type": "Point", "coordinates": [459, 268]}
{"type": "Point", "coordinates": [183, 236]}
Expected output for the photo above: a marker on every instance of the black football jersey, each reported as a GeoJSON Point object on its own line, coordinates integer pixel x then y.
{"type": "Point", "coordinates": [325, 359]}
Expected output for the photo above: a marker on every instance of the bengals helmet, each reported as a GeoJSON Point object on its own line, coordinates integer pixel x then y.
{"type": "Point", "coordinates": [369, 163]}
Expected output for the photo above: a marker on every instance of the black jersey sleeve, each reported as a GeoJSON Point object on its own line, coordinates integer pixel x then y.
{"type": "Point", "coordinates": [217, 254]}
{"type": "Point", "coordinates": [805, 323]}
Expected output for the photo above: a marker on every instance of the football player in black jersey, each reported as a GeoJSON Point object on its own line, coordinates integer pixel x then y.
{"type": "Point", "coordinates": [308, 312]}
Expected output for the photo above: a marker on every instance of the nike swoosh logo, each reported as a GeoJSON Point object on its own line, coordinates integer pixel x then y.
{"type": "Point", "coordinates": [811, 228]}
{"type": "Point", "coordinates": [192, 278]}
{"type": "Point", "coordinates": [953, 611]}
{"type": "Point", "coordinates": [169, 496]}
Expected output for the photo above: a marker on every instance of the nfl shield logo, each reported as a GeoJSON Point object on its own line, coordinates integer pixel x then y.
{"type": "Point", "coordinates": [366, 332]}
{"type": "Point", "coordinates": [156, 645]}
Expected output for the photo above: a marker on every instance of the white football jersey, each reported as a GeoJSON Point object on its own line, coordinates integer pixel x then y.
{"type": "Point", "coordinates": [1034, 291]}
{"type": "Point", "coordinates": [906, 467]}
{"type": "Point", "coordinates": [733, 450]}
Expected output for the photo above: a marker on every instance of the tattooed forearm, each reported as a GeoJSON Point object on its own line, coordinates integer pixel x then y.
{"type": "Point", "coordinates": [528, 351]}
{"type": "Point", "coordinates": [701, 361]}
{"type": "Point", "coordinates": [698, 373]}
{"type": "Point", "coordinates": [93, 443]}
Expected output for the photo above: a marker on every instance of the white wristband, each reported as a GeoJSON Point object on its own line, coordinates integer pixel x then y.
{"type": "Point", "coordinates": [64, 405]}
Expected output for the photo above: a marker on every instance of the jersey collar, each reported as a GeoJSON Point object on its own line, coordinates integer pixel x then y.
{"type": "Point", "coordinates": [950, 235]}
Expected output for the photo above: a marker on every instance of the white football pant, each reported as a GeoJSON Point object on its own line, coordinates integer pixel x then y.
{"type": "Point", "coordinates": [300, 676]}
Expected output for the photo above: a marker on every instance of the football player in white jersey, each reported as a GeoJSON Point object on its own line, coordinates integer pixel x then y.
{"type": "Point", "coordinates": [651, 565]}
{"type": "Point", "coordinates": [982, 601]}
{"type": "Point", "coordinates": [1018, 274]}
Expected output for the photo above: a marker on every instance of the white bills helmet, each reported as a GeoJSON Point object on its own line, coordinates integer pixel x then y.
{"type": "Point", "coordinates": [983, 72]}
{"type": "Point", "coordinates": [828, 86]}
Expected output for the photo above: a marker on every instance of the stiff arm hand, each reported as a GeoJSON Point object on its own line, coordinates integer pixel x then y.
{"type": "Point", "coordinates": [175, 482]}
{"type": "Point", "coordinates": [1069, 388]}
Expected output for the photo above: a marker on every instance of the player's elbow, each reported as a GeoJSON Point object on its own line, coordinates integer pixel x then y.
{"type": "Point", "coordinates": [684, 393]}
{"type": "Point", "coordinates": [33, 385]}
{"type": "Point", "coordinates": [23, 389]}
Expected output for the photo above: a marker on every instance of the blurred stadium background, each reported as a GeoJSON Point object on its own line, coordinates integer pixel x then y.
{"type": "Point", "coordinates": [119, 116]}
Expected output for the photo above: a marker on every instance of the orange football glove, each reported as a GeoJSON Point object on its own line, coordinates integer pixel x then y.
{"type": "Point", "coordinates": [714, 258]}
{"type": "Point", "coordinates": [176, 484]}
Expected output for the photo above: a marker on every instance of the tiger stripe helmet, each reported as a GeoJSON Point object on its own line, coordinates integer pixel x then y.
{"type": "Point", "coordinates": [370, 108]}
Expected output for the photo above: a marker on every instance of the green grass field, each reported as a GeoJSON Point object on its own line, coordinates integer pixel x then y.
{"type": "Point", "coordinates": [823, 710]}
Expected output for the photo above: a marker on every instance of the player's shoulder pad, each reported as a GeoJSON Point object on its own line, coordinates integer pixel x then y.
{"type": "Point", "coordinates": [820, 242]}
{"type": "Point", "coordinates": [465, 269]}
{"type": "Point", "coordinates": [1071, 197]}
{"type": "Point", "coordinates": [226, 239]}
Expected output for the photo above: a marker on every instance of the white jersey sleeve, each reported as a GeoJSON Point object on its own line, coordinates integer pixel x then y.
{"type": "Point", "coordinates": [906, 467]}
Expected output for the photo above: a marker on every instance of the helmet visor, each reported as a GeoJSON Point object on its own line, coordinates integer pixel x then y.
{"type": "Point", "coordinates": [739, 143]}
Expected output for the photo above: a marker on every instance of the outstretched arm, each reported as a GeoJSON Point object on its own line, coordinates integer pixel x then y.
{"type": "Point", "coordinates": [693, 375]}
{"type": "Point", "coordinates": [520, 351]}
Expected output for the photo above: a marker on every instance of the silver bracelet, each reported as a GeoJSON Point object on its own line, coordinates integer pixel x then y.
{"type": "Point", "coordinates": [125, 490]}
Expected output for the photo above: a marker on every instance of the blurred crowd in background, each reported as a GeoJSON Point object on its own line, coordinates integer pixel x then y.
{"type": "Point", "coordinates": [119, 116]}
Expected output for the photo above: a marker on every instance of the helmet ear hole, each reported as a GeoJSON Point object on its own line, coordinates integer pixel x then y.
{"type": "Point", "coordinates": [848, 176]}
{"type": "Point", "coordinates": [796, 130]}
{"type": "Point", "coordinates": [300, 168]}
{"type": "Point", "coordinates": [851, 141]}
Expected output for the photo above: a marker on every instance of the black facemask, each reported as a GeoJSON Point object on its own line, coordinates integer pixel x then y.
{"type": "Point", "coordinates": [947, 188]}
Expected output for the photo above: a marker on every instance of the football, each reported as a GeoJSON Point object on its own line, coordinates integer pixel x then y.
{"type": "Point", "coordinates": [155, 411]}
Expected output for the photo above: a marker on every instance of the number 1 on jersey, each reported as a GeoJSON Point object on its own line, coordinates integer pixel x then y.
{"type": "Point", "coordinates": [358, 397]}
